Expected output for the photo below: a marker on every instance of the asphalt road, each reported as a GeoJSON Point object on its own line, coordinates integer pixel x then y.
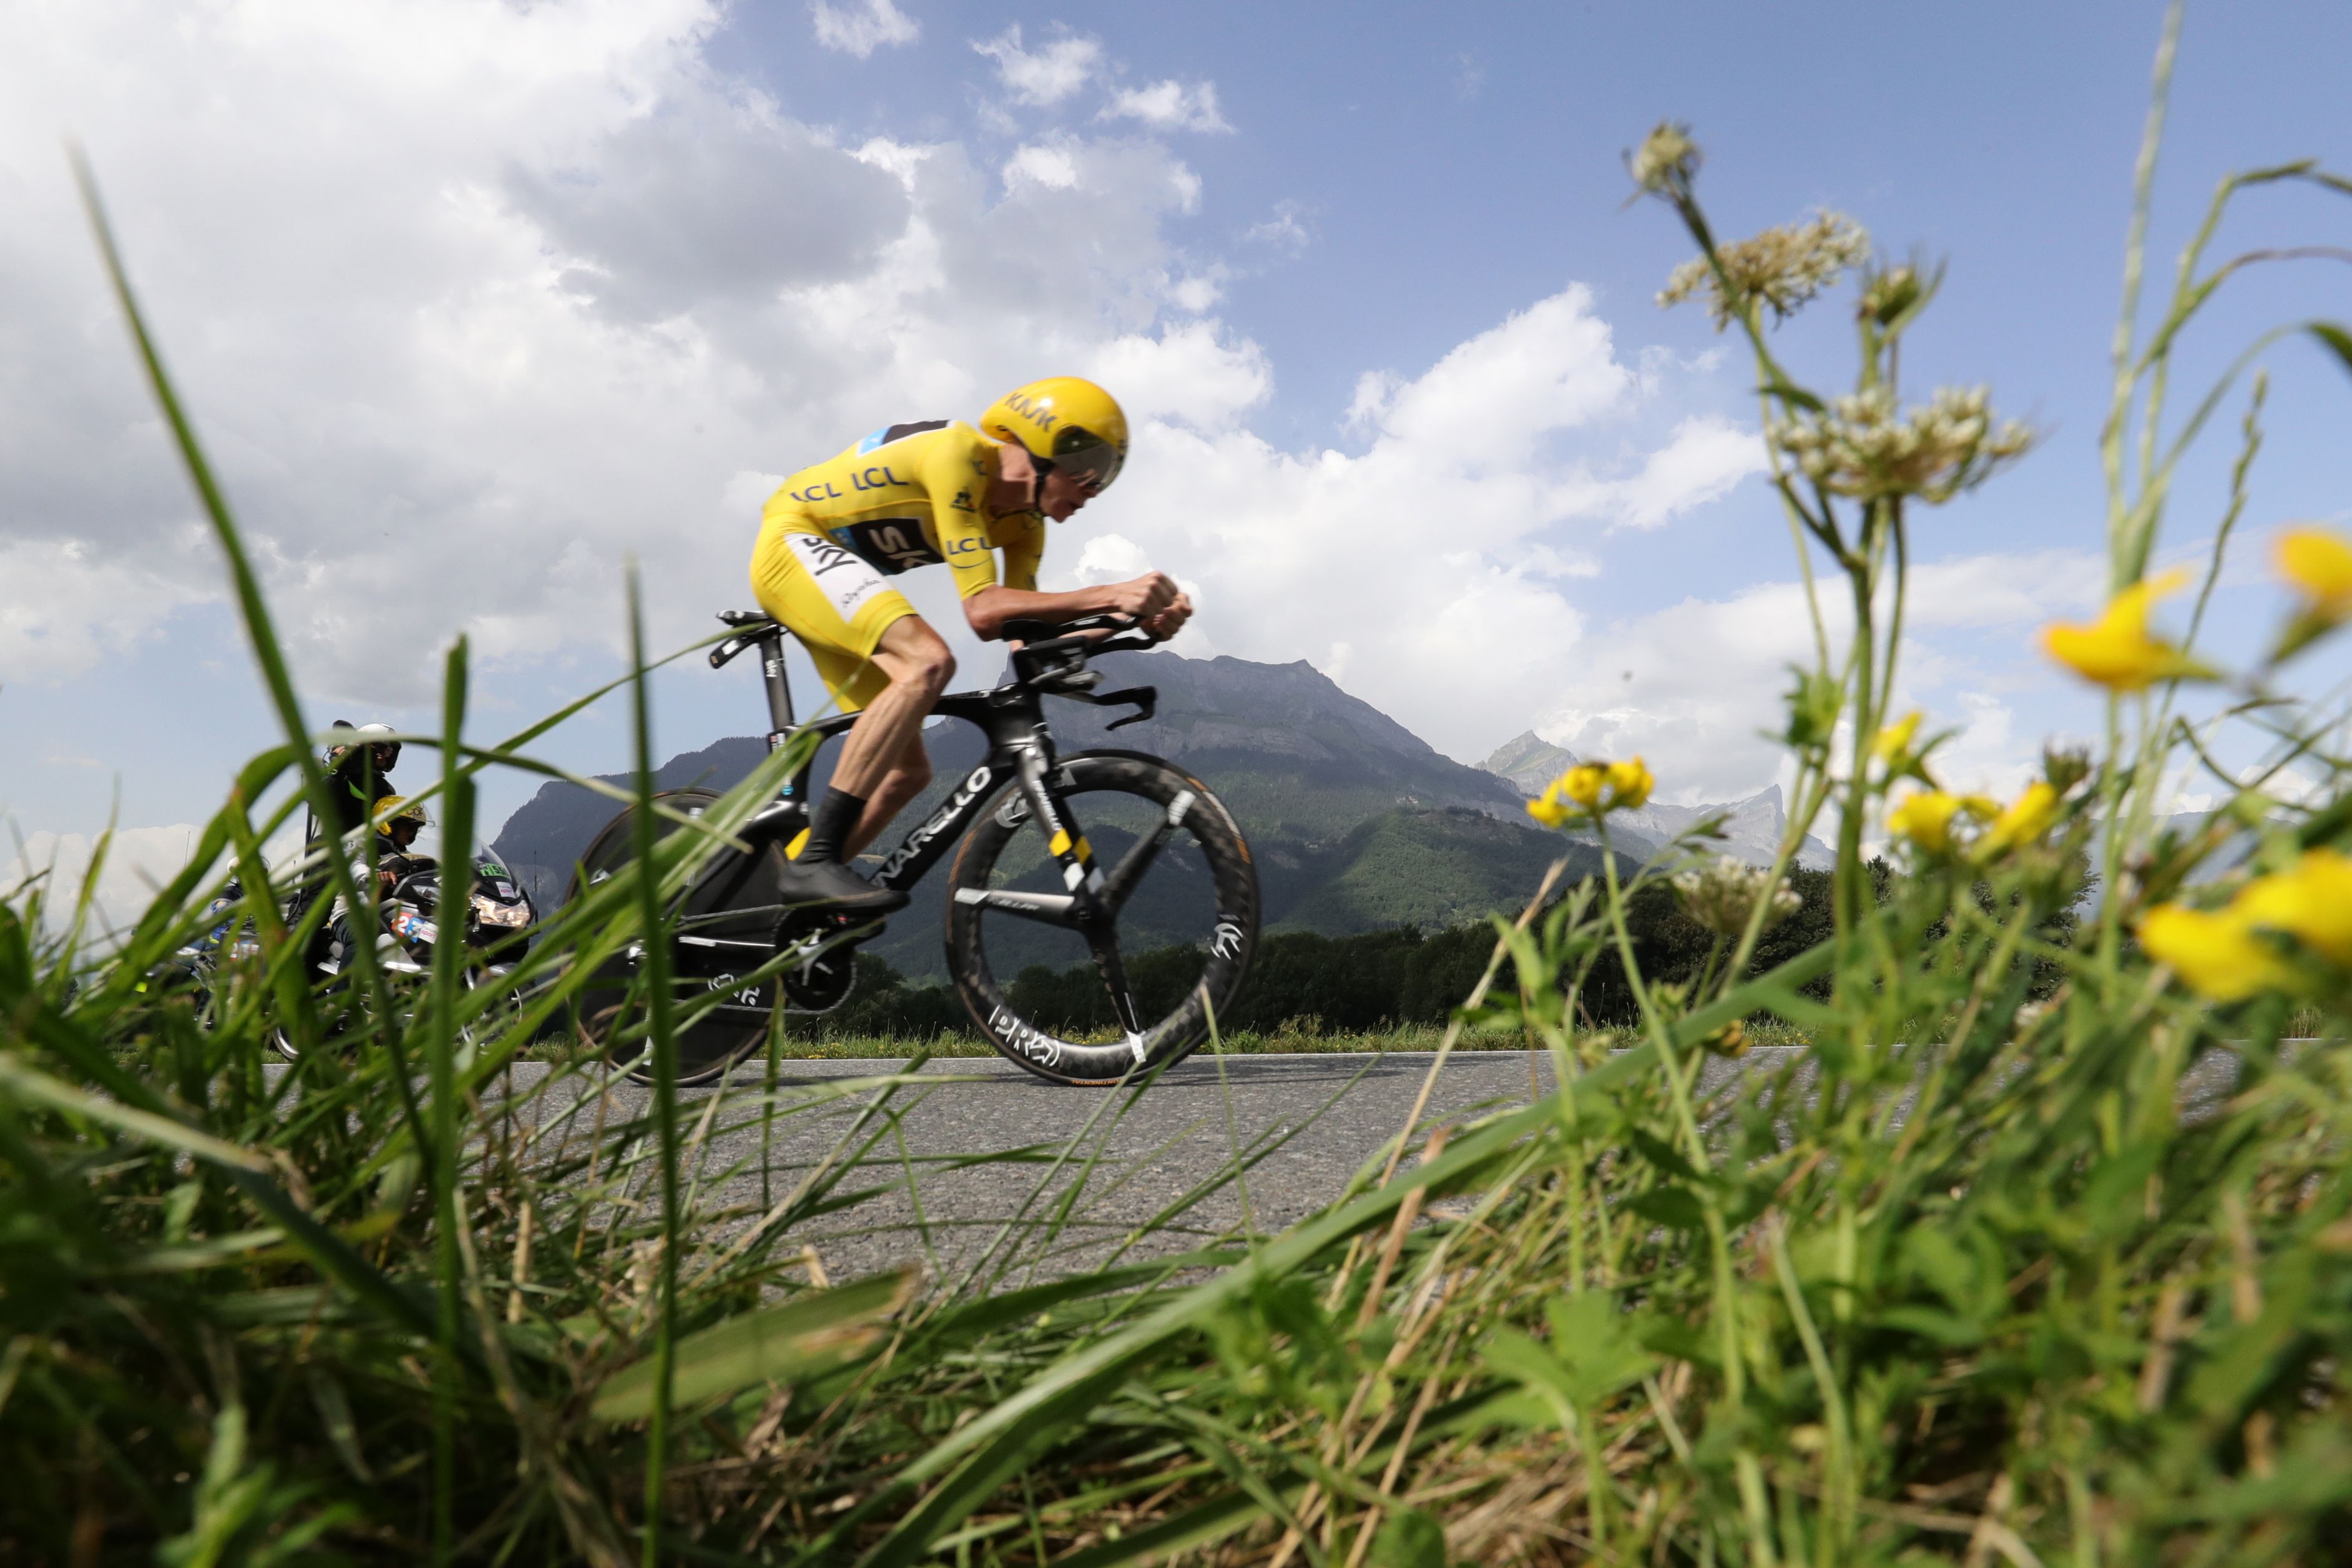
{"type": "Point", "coordinates": [1305, 1124]}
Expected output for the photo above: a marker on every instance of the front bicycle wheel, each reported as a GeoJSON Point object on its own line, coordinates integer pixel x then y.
{"type": "Point", "coordinates": [1094, 1002]}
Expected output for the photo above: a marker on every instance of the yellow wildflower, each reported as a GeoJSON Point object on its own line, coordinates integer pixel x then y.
{"type": "Point", "coordinates": [2311, 902]}
{"type": "Point", "coordinates": [2319, 562]}
{"type": "Point", "coordinates": [1925, 817]}
{"type": "Point", "coordinates": [2217, 954]}
{"type": "Point", "coordinates": [1630, 785]}
{"type": "Point", "coordinates": [1589, 791]}
{"type": "Point", "coordinates": [2021, 821]}
{"type": "Point", "coordinates": [1895, 740]}
{"type": "Point", "coordinates": [2115, 650]}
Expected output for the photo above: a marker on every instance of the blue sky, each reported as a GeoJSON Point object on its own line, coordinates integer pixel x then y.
{"type": "Point", "coordinates": [475, 302]}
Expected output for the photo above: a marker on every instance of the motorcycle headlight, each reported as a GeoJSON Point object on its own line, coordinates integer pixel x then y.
{"type": "Point", "coordinates": [489, 911]}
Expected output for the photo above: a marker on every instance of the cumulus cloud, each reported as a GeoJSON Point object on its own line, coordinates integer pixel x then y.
{"type": "Point", "coordinates": [65, 607]}
{"type": "Point", "coordinates": [1705, 457]}
{"type": "Point", "coordinates": [862, 27]}
{"type": "Point", "coordinates": [1430, 570]}
{"type": "Point", "coordinates": [1049, 74]}
{"type": "Point", "coordinates": [472, 302]}
{"type": "Point", "coordinates": [1169, 106]}
{"type": "Point", "coordinates": [475, 302]}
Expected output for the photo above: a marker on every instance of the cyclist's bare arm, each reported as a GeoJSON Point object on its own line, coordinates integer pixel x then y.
{"type": "Point", "coordinates": [1153, 598]}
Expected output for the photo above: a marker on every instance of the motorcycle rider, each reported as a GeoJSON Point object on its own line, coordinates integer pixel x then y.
{"type": "Point", "coordinates": [356, 782]}
{"type": "Point", "coordinates": [398, 822]}
{"type": "Point", "coordinates": [916, 495]}
{"type": "Point", "coordinates": [357, 775]}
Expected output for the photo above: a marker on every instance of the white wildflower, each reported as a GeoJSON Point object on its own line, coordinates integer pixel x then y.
{"type": "Point", "coordinates": [1782, 267]}
{"type": "Point", "coordinates": [1723, 895]}
{"type": "Point", "coordinates": [1668, 157]}
{"type": "Point", "coordinates": [1865, 447]}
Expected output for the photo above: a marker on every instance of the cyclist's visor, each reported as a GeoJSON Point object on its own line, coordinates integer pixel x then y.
{"type": "Point", "coordinates": [1087, 457]}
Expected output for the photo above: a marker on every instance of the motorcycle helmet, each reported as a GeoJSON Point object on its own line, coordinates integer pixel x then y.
{"type": "Point", "coordinates": [373, 733]}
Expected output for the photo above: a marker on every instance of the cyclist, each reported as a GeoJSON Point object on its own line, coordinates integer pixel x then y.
{"type": "Point", "coordinates": [918, 495]}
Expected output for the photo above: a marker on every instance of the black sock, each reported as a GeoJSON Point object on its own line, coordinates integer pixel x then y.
{"type": "Point", "coordinates": [835, 819]}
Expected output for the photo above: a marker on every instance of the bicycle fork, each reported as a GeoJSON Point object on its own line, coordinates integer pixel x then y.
{"type": "Point", "coordinates": [1091, 915]}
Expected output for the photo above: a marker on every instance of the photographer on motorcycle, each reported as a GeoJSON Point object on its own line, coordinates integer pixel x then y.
{"type": "Point", "coordinates": [356, 782]}
{"type": "Point", "coordinates": [398, 822]}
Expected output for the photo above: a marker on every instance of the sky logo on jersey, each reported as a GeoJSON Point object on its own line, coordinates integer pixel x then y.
{"type": "Point", "coordinates": [879, 438]}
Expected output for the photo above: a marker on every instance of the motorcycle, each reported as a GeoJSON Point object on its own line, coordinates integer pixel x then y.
{"type": "Point", "coordinates": [406, 925]}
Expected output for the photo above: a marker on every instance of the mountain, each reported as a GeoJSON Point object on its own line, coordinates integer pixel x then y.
{"type": "Point", "coordinates": [1752, 828]}
{"type": "Point", "coordinates": [1528, 764]}
{"type": "Point", "coordinates": [1354, 821]}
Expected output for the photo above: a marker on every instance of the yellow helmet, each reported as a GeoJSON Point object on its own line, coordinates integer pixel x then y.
{"type": "Point", "coordinates": [1068, 422]}
{"type": "Point", "coordinates": [395, 808]}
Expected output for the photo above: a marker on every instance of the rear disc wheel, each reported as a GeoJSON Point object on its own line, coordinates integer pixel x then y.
{"type": "Point", "coordinates": [612, 1004]}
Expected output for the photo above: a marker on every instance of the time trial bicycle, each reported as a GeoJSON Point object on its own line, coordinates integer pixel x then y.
{"type": "Point", "coordinates": [1090, 856]}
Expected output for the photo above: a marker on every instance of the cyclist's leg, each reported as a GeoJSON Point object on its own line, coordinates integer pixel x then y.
{"type": "Point", "coordinates": [883, 760]}
{"type": "Point", "coordinates": [839, 608]}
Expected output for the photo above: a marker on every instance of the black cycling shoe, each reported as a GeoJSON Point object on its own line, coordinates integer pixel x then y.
{"type": "Point", "coordinates": [830, 885]}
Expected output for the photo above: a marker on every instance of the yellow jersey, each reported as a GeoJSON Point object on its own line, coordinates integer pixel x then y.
{"type": "Point", "coordinates": [914, 495]}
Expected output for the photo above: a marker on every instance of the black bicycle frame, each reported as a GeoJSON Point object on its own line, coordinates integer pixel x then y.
{"type": "Point", "coordinates": [1019, 750]}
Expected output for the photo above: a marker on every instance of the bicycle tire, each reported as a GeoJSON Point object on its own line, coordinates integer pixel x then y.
{"type": "Point", "coordinates": [1191, 809]}
{"type": "Point", "coordinates": [709, 1045]}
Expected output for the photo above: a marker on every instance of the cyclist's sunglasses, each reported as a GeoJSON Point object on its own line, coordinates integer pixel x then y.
{"type": "Point", "coordinates": [1087, 457]}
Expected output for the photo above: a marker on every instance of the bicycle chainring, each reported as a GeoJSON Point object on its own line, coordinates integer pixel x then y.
{"type": "Point", "coordinates": [822, 979]}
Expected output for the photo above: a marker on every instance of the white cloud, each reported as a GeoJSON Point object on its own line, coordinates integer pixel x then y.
{"type": "Point", "coordinates": [1705, 457]}
{"type": "Point", "coordinates": [862, 27]}
{"type": "Point", "coordinates": [139, 861]}
{"type": "Point", "coordinates": [1169, 105]}
{"type": "Point", "coordinates": [1433, 568]}
{"type": "Point", "coordinates": [64, 608]}
{"type": "Point", "coordinates": [1052, 167]}
{"type": "Point", "coordinates": [1048, 74]}
{"type": "Point", "coordinates": [472, 302]}
{"type": "Point", "coordinates": [1282, 231]}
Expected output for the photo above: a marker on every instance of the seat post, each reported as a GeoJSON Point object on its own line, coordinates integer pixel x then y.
{"type": "Point", "coordinates": [780, 691]}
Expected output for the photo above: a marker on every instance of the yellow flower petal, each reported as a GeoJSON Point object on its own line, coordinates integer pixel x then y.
{"type": "Point", "coordinates": [1549, 811]}
{"type": "Point", "coordinates": [2217, 954]}
{"type": "Point", "coordinates": [2022, 821]}
{"type": "Point", "coordinates": [2319, 562]}
{"type": "Point", "coordinates": [2311, 902]}
{"type": "Point", "coordinates": [1584, 783]}
{"type": "Point", "coordinates": [1925, 817]}
{"type": "Point", "coordinates": [1895, 740]}
{"type": "Point", "coordinates": [1630, 785]}
{"type": "Point", "coordinates": [2115, 650]}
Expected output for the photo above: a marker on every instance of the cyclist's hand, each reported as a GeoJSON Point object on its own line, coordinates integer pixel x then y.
{"type": "Point", "coordinates": [1167, 622]}
{"type": "Point", "coordinates": [1147, 596]}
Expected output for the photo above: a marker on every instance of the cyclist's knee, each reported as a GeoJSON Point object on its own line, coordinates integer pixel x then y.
{"type": "Point", "coordinates": [929, 670]}
{"type": "Point", "coordinates": [917, 659]}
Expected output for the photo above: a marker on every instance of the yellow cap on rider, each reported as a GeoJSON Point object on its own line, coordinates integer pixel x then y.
{"type": "Point", "coordinates": [1066, 420]}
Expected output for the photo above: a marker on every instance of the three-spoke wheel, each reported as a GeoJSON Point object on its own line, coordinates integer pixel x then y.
{"type": "Point", "coordinates": [1086, 979]}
